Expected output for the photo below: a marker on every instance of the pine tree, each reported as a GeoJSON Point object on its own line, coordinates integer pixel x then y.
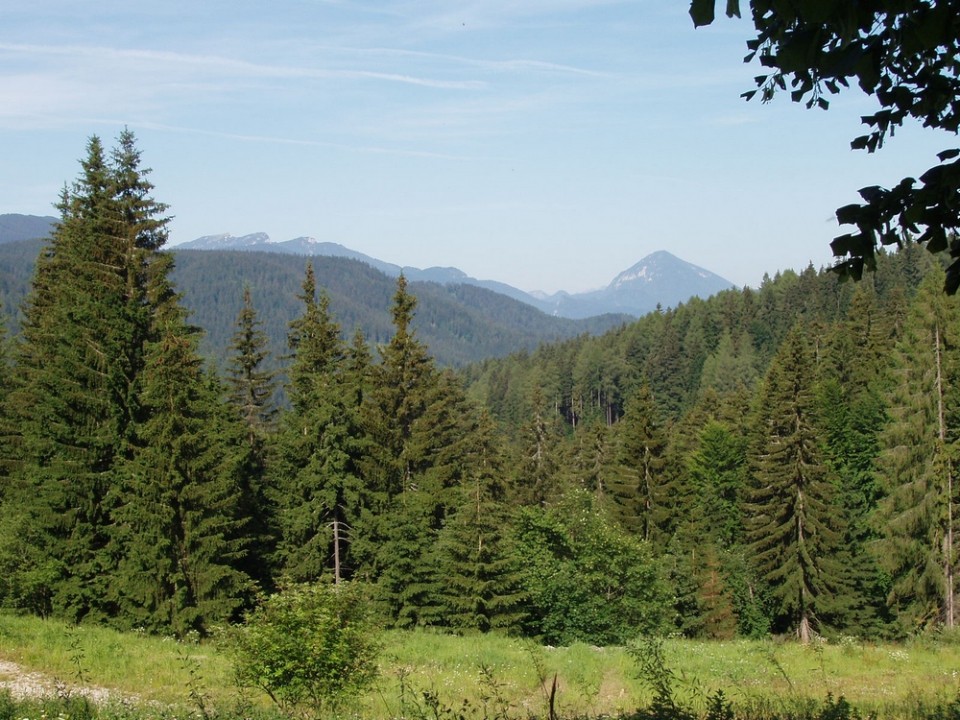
{"type": "Point", "coordinates": [76, 398]}
{"type": "Point", "coordinates": [639, 484]}
{"type": "Point", "coordinates": [482, 583]}
{"type": "Point", "coordinates": [316, 476]}
{"type": "Point", "coordinates": [419, 426]}
{"type": "Point", "coordinates": [917, 463]}
{"type": "Point", "coordinates": [716, 471]}
{"type": "Point", "coordinates": [440, 456]}
{"type": "Point", "coordinates": [398, 397]}
{"type": "Point", "coordinates": [251, 386]}
{"type": "Point", "coordinates": [851, 411]}
{"type": "Point", "coordinates": [537, 479]}
{"type": "Point", "coordinates": [251, 395]}
{"type": "Point", "coordinates": [792, 524]}
{"type": "Point", "coordinates": [179, 536]}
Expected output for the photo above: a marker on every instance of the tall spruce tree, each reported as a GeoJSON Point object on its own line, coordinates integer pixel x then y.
{"type": "Point", "coordinates": [79, 361]}
{"type": "Point", "coordinates": [316, 476]}
{"type": "Point", "coordinates": [418, 425]}
{"type": "Point", "coordinates": [792, 523]}
{"type": "Point", "coordinates": [252, 387]}
{"type": "Point", "coordinates": [483, 583]}
{"type": "Point", "coordinates": [251, 396]}
{"type": "Point", "coordinates": [638, 485]}
{"type": "Point", "coordinates": [918, 463]}
{"type": "Point", "coordinates": [538, 466]}
{"type": "Point", "coordinates": [398, 397]}
{"type": "Point", "coordinates": [180, 531]}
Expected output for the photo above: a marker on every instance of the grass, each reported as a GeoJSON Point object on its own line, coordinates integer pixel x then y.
{"type": "Point", "coordinates": [488, 673]}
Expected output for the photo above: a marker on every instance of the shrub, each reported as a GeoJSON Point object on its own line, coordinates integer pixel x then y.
{"type": "Point", "coordinates": [311, 648]}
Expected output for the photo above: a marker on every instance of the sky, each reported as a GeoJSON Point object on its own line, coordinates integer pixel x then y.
{"type": "Point", "coordinates": [548, 144]}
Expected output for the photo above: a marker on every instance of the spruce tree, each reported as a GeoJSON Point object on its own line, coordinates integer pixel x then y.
{"type": "Point", "coordinates": [418, 425]}
{"type": "Point", "coordinates": [918, 463]}
{"type": "Point", "coordinates": [638, 487]}
{"type": "Point", "coordinates": [251, 386]}
{"type": "Point", "coordinates": [482, 579]}
{"type": "Point", "coordinates": [79, 360]}
{"type": "Point", "coordinates": [538, 468]}
{"type": "Point", "coordinates": [716, 471]}
{"type": "Point", "coordinates": [180, 532]}
{"type": "Point", "coordinates": [315, 474]}
{"type": "Point", "coordinates": [398, 397]}
{"type": "Point", "coordinates": [792, 523]}
{"type": "Point", "coordinates": [251, 395]}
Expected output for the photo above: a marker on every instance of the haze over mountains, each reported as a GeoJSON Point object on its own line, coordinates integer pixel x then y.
{"type": "Point", "coordinates": [658, 279]}
{"type": "Point", "coordinates": [461, 319]}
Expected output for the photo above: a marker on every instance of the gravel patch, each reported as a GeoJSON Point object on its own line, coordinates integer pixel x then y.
{"type": "Point", "coordinates": [24, 684]}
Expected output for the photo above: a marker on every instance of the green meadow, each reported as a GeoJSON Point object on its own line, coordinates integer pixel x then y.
{"type": "Point", "coordinates": [431, 675]}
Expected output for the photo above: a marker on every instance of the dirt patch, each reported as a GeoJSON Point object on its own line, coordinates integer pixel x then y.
{"type": "Point", "coordinates": [24, 684]}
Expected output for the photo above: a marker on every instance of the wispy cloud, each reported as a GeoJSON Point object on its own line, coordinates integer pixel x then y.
{"type": "Point", "coordinates": [213, 64]}
{"type": "Point", "coordinates": [302, 142]}
{"type": "Point", "coordinates": [514, 65]}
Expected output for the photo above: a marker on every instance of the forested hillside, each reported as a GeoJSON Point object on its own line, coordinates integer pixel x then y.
{"type": "Point", "coordinates": [786, 452]}
{"type": "Point", "coordinates": [778, 460]}
{"type": "Point", "coordinates": [459, 323]}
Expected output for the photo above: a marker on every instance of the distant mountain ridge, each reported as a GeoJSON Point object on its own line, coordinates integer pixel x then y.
{"type": "Point", "coordinates": [15, 227]}
{"type": "Point", "coordinates": [459, 323]}
{"type": "Point", "coordinates": [658, 280]}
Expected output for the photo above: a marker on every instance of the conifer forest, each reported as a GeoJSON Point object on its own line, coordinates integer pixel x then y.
{"type": "Point", "coordinates": [770, 461]}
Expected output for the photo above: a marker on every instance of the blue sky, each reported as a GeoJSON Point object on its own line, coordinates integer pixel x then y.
{"type": "Point", "coordinates": [549, 144]}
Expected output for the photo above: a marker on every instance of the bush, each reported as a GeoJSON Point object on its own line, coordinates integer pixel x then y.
{"type": "Point", "coordinates": [311, 648]}
{"type": "Point", "coordinates": [586, 579]}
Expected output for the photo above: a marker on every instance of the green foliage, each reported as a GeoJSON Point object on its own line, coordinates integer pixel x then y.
{"type": "Point", "coordinates": [311, 648]}
{"type": "Point", "coordinates": [483, 577]}
{"type": "Point", "coordinates": [904, 55]}
{"type": "Point", "coordinates": [76, 398]}
{"type": "Point", "coordinates": [639, 484]}
{"type": "Point", "coordinates": [586, 579]}
{"type": "Point", "coordinates": [918, 465]}
{"type": "Point", "coordinates": [181, 535]}
{"type": "Point", "coordinates": [792, 523]}
{"type": "Point", "coordinates": [315, 473]}
{"type": "Point", "coordinates": [251, 384]}
{"type": "Point", "coordinates": [659, 678]}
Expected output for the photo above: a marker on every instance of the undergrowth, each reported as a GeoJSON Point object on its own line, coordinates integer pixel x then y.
{"type": "Point", "coordinates": [429, 676]}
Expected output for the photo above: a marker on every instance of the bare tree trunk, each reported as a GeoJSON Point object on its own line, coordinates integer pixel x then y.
{"type": "Point", "coordinates": [948, 595]}
{"type": "Point", "coordinates": [336, 551]}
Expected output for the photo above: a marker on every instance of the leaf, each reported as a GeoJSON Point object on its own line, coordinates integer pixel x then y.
{"type": "Point", "coordinates": [841, 245]}
{"type": "Point", "coordinates": [848, 214]}
{"type": "Point", "coordinates": [952, 281]}
{"type": "Point", "coordinates": [948, 154]}
{"type": "Point", "coordinates": [733, 8]}
{"type": "Point", "coordinates": [702, 12]}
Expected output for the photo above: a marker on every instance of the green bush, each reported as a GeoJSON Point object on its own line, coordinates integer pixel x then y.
{"type": "Point", "coordinates": [585, 578]}
{"type": "Point", "coordinates": [311, 648]}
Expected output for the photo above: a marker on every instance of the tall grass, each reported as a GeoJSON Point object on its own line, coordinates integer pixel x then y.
{"type": "Point", "coordinates": [493, 677]}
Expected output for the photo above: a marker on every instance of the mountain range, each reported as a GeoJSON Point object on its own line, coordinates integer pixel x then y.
{"type": "Point", "coordinates": [461, 319]}
{"type": "Point", "coordinates": [660, 279]}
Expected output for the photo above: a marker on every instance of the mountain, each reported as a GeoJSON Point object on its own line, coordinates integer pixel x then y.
{"type": "Point", "coordinates": [660, 279]}
{"type": "Point", "coordinates": [460, 323]}
{"type": "Point", "coordinates": [14, 227]}
{"type": "Point", "coordinates": [261, 242]}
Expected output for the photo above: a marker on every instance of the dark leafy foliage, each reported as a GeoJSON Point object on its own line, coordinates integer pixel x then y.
{"type": "Point", "coordinates": [906, 55]}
